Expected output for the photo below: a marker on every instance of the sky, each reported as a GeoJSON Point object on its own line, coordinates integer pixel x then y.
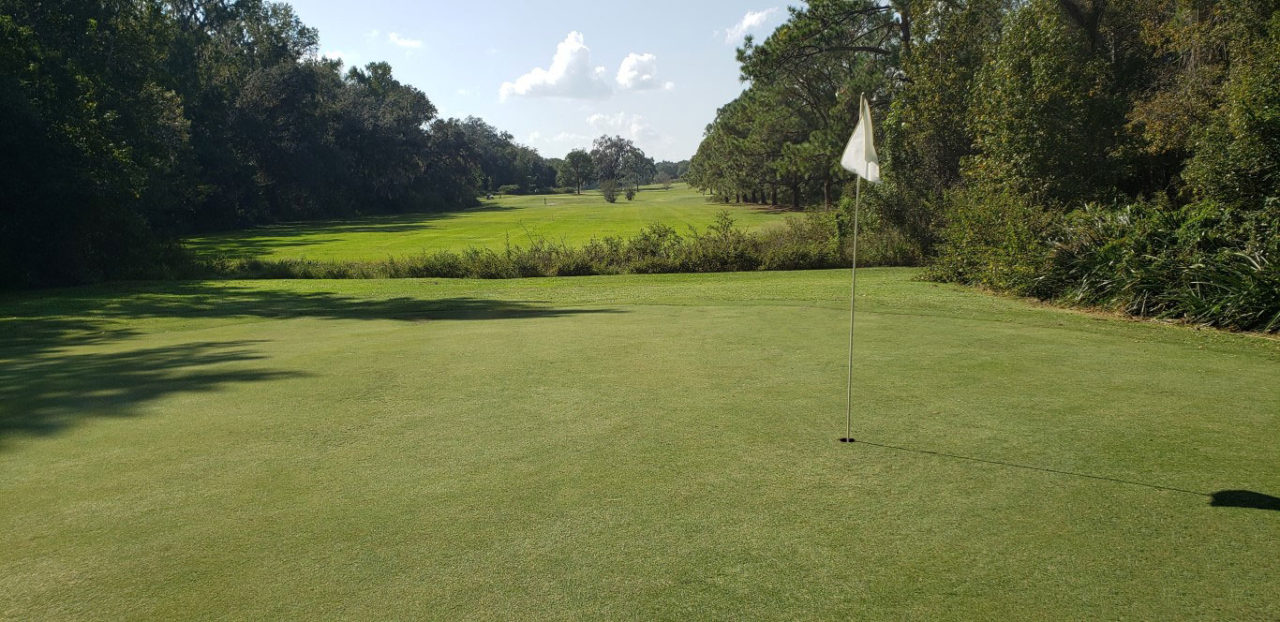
{"type": "Point", "coordinates": [557, 74]}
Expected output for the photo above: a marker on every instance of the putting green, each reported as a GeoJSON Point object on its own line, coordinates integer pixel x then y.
{"type": "Point", "coordinates": [651, 447]}
{"type": "Point", "coordinates": [517, 220]}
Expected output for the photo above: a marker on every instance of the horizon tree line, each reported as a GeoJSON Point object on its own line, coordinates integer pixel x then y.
{"type": "Point", "coordinates": [130, 123]}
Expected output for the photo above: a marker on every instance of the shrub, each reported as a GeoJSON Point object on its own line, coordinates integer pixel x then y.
{"type": "Point", "coordinates": [483, 263]}
{"type": "Point", "coordinates": [808, 241]}
{"type": "Point", "coordinates": [609, 190]}
{"type": "Point", "coordinates": [442, 264]}
{"type": "Point", "coordinates": [723, 248]}
{"type": "Point", "coordinates": [994, 238]}
{"type": "Point", "coordinates": [811, 241]}
{"type": "Point", "coordinates": [575, 263]}
{"type": "Point", "coordinates": [1205, 262]}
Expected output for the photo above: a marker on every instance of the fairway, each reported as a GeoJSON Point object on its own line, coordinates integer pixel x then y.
{"type": "Point", "coordinates": [629, 447]}
{"type": "Point", "coordinates": [518, 220]}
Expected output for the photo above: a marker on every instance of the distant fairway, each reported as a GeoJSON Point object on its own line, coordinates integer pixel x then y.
{"type": "Point", "coordinates": [571, 219]}
{"type": "Point", "coordinates": [636, 447]}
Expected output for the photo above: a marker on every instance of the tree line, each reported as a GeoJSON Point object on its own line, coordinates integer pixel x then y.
{"type": "Point", "coordinates": [1123, 153]}
{"type": "Point", "coordinates": [616, 164]}
{"type": "Point", "coordinates": [125, 124]}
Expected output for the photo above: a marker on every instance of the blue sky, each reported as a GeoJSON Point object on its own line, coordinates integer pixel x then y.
{"type": "Point", "coordinates": [557, 74]}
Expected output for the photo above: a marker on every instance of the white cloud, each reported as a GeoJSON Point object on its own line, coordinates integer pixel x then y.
{"type": "Point", "coordinates": [639, 72]}
{"type": "Point", "coordinates": [753, 20]}
{"type": "Point", "coordinates": [403, 41]}
{"type": "Point", "coordinates": [570, 137]}
{"type": "Point", "coordinates": [571, 74]}
{"type": "Point", "coordinates": [559, 144]}
{"type": "Point", "coordinates": [632, 126]}
{"type": "Point", "coordinates": [348, 59]}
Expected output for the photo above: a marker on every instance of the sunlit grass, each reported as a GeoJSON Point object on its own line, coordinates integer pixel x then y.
{"type": "Point", "coordinates": [563, 218]}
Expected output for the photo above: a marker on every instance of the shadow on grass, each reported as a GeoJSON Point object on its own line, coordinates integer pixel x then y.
{"type": "Point", "coordinates": [238, 301]}
{"type": "Point", "coordinates": [32, 323]}
{"type": "Point", "coordinates": [248, 243]}
{"type": "Point", "coordinates": [47, 394]}
{"type": "Point", "coordinates": [248, 247]}
{"type": "Point", "coordinates": [47, 382]}
{"type": "Point", "coordinates": [1244, 499]}
{"type": "Point", "coordinates": [1031, 468]}
{"type": "Point", "coordinates": [777, 209]}
{"type": "Point", "coordinates": [1222, 498]}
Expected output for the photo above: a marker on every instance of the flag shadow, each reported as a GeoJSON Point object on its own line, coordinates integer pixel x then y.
{"type": "Point", "coordinates": [1221, 498]}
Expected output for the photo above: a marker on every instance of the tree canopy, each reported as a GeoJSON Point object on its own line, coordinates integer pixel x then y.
{"type": "Point", "coordinates": [619, 163]}
{"type": "Point", "coordinates": [127, 123]}
{"type": "Point", "coordinates": [1138, 133]}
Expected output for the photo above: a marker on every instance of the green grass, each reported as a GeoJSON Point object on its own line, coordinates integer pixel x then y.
{"type": "Point", "coordinates": [571, 219]}
{"type": "Point", "coordinates": [635, 447]}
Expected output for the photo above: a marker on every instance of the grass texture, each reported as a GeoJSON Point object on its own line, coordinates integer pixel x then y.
{"type": "Point", "coordinates": [563, 218]}
{"type": "Point", "coordinates": [627, 447]}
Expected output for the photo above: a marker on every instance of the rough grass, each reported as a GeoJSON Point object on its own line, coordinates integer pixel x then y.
{"type": "Point", "coordinates": [566, 219]}
{"type": "Point", "coordinates": [632, 447]}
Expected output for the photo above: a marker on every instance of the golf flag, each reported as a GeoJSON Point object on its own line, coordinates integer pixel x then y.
{"type": "Point", "coordinates": [860, 154]}
{"type": "Point", "coordinates": [859, 157]}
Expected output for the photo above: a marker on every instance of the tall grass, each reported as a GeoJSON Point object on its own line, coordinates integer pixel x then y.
{"type": "Point", "coordinates": [810, 241]}
{"type": "Point", "coordinates": [1204, 263]}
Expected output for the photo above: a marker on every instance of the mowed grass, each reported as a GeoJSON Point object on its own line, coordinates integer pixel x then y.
{"type": "Point", "coordinates": [634, 447]}
{"type": "Point", "coordinates": [563, 218]}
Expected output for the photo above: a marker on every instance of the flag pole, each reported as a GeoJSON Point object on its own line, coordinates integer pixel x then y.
{"type": "Point", "coordinates": [859, 158]}
{"type": "Point", "coordinates": [853, 291]}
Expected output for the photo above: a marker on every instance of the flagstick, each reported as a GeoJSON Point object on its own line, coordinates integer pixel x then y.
{"type": "Point", "coordinates": [859, 157]}
{"type": "Point", "coordinates": [853, 290]}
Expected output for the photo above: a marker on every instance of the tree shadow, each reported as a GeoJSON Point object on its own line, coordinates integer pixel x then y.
{"type": "Point", "coordinates": [48, 381]}
{"type": "Point", "coordinates": [248, 243]}
{"type": "Point", "coordinates": [44, 395]}
{"type": "Point", "coordinates": [250, 246]}
{"type": "Point", "coordinates": [239, 301]}
{"type": "Point", "coordinates": [1244, 499]}
{"type": "Point", "coordinates": [777, 209]}
{"type": "Point", "coordinates": [31, 324]}
{"type": "Point", "coordinates": [23, 336]}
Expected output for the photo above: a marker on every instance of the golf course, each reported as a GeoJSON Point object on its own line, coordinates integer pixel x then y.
{"type": "Point", "coordinates": [627, 447]}
{"type": "Point", "coordinates": [569, 219]}
{"type": "Point", "coordinates": [830, 310]}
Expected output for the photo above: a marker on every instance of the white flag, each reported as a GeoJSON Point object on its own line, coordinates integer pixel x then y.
{"type": "Point", "coordinates": [860, 154]}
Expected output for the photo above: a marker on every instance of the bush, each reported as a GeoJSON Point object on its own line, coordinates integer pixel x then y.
{"type": "Point", "coordinates": [996, 239]}
{"type": "Point", "coordinates": [609, 190]}
{"type": "Point", "coordinates": [723, 248]}
{"type": "Point", "coordinates": [575, 263]}
{"type": "Point", "coordinates": [812, 241]}
{"type": "Point", "coordinates": [809, 241]}
{"type": "Point", "coordinates": [442, 264]}
{"type": "Point", "coordinates": [1204, 263]}
{"type": "Point", "coordinates": [880, 243]}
